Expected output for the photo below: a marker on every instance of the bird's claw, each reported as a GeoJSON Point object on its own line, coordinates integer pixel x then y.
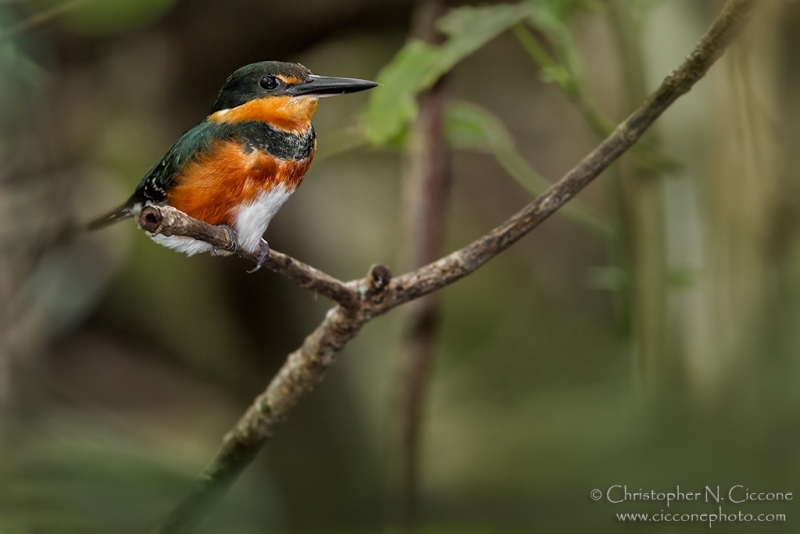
{"type": "Point", "coordinates": [264, 252]}
{"type": "Point", "coordinates": [234, 239]}
{"type": "Point", "coordinates": [234, 247]}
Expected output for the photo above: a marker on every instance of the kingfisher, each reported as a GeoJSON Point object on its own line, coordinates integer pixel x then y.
{"type": "Point", "coordinates": [239, 165]}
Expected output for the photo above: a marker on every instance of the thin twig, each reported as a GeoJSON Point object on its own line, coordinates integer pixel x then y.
{"type": "Point", "coordinates": [570, 80]}
{"type": "Point", "coordinates": [302, 370]}
{"type": "Point", "coordinates": [168, 221]}
{"type": "Point", "coordinates": [39, 19]}
{"type": "Point", "coordinates": [459, 264]}
{"type": "Point", "coordinates": [306, 366]}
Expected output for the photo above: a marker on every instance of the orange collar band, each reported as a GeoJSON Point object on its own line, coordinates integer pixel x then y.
{"type": "Point", "coordinates": [290, 114]}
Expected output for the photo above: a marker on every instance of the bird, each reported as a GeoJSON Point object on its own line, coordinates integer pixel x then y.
{"type": "Point", "coordinates": [238, 166]}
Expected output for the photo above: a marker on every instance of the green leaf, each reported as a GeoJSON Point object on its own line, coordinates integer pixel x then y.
{"type": "Point", "coordinates": [469, 126]}
{"type": "Point", "coordinates": [559, 75]}
{"type": "Point", "coordinates": [470, 28]}
{"type": "Point", "coordinates": [393, 105]}
{"type": "Point", "coordinates": [419, 65]}
{"type": "Point", "coordinates": [555, 12]}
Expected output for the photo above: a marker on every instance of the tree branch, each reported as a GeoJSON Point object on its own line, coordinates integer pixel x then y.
{"type": "Point", "coordinates": [167, 221]}
{"type": "Point", "coordinates": [377, 293]}
{"type": "Point", "coordinates": [302, 370]}
{"type": "Point", "coordinates": [459, 264]}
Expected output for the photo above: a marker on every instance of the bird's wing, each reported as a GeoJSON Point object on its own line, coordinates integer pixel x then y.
{"type": "Point", "coordinates": [156, 183]}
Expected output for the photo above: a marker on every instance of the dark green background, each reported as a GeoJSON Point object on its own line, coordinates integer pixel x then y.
{"type": "Point", "coordinates": [122, 363]}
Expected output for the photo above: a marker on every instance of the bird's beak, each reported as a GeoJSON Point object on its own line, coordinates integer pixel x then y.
{"type": "Point", "coordinates": [321, 86]}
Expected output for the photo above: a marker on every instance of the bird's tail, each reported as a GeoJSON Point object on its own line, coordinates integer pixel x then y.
{"type": "Point", "coordinates": [119, 214]}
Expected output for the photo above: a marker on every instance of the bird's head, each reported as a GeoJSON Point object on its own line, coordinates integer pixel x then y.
{"type": "Point", "coordinates": [284, 95]}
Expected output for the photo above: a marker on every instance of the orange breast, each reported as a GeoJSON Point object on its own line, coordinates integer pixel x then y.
{"type": "Point", "coordinates": [214, 186]}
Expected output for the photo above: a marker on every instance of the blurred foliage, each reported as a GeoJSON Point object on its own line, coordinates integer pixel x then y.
{"type": "Point", "coordinates": [95, 476]}
{"type": "Point", "coordinates": [418, 65]}
{"type": "Point", "coordinates": [101, 17]}
{"type": "Point", "coordinates": [21, 77]}
{"type": "Point", "coordinates": [471, 127]}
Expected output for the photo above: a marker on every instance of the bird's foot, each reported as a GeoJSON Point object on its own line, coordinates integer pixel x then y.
{"type": "Point", "coordinates": [262, 257]}
{"type": "Point", "coordinates": [234, 238]}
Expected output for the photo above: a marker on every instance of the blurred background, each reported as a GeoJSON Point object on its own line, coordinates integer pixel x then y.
{"type": "Point", "coordinates": [647, 336]}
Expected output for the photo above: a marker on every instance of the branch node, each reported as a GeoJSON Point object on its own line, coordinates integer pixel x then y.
{"type": "Point", "coordinates": [306, 366]}
{"type": "Point", "coordinates": [150, 219]}
{"type": "Point", "coordinates": [379, 277]}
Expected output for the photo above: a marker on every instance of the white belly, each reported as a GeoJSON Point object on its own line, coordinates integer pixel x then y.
{"type": "Point", "coordinates": [251, 221]}
{"type": "Point", "coordinates": [186, 245]}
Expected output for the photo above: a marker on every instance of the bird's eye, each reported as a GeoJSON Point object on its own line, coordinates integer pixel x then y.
{"type": "Point", "coordinates": [269, 82]}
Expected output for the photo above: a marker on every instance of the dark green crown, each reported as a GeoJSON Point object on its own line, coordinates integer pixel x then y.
{"type": "Point", "coordinates": [246, 83]}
